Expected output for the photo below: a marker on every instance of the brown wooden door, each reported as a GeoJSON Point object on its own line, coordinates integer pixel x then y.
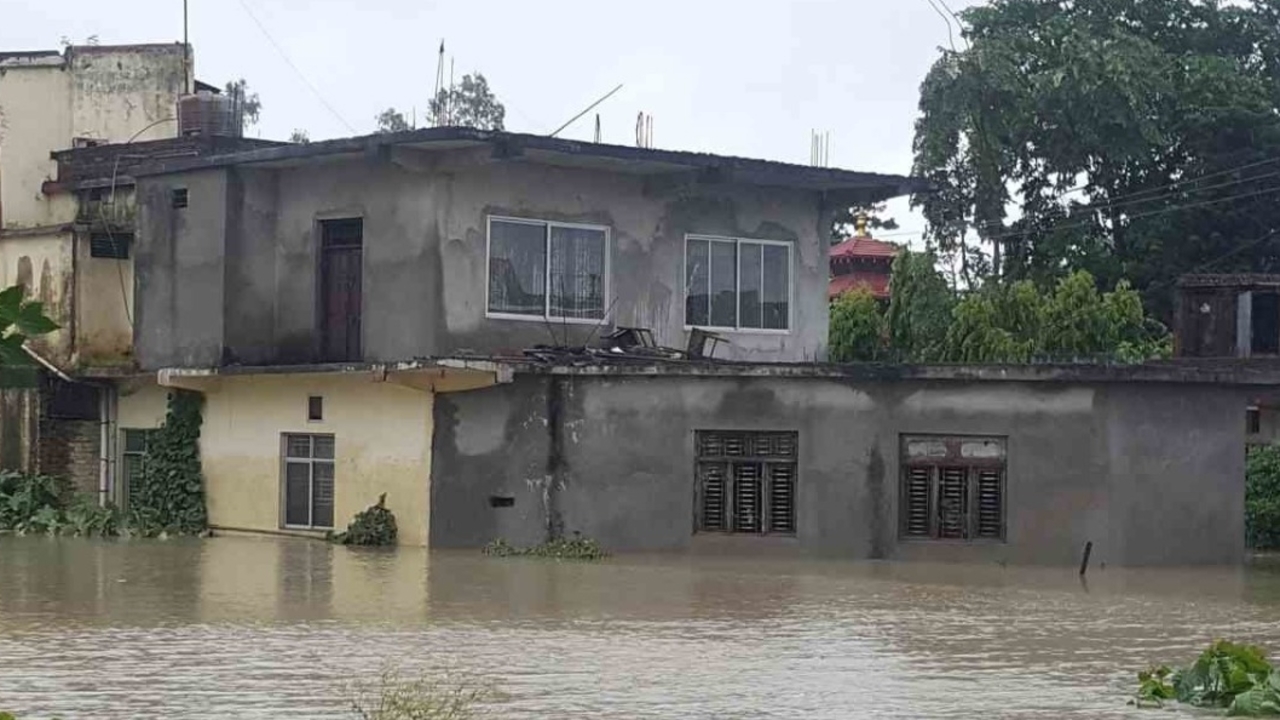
{"type": "Point", "coordinates": [341, 268]}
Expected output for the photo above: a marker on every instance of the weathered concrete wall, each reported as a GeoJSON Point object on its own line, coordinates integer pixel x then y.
{"type": "Point", "coordinates": [42, 263]}
{"type": "Point", "coordinates": [35, 109]}
{"type": "Point", "coordinates": [424, 256]}
{"type": "Point", "coordinates": [104, 308]}
{"type": "Point", "coordinates": [382, 434]}
{"type": "Point", "coordinates": [47, 102]}
{"type": "Point", "coordinates": [103, 93]}
{"type": "Point", "coordinates": [1151, 473]}
{"type": "Point", "coordinates": [180, 266]}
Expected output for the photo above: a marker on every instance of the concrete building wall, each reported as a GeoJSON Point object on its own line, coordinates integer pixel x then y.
{"type": "Point", "coordinates": [424, 256]}
{"type": "Point", "coordinates": [1150, 473]}
{"type": "Point", "coordinates": [36, 107]}
{"type": "Point", "coordinates": [382, 434]}
{"type": "Point", "coordinates": [180, 268]}
{"type": "Point", "coordinates": [103, 319]}
{"type": "Point", "coordinates": [42, 263]}
{"type": "Point", "coordinates": [49, 102]}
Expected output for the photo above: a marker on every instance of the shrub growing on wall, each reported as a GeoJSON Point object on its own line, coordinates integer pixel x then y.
{"type": "Point", "coordinates": [168, 495]}
{"type": "Point", "coordinates": [1262, 497]}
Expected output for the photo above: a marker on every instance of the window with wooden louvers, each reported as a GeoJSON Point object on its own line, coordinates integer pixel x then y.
{"type": "Point", "coordinates": [953, 488]}
{"type": "Point", "coordinates": [990, 504]}
{"type": "Point", "coordinates": [916, 502]}
{"type": "Point", "coordinates": [746, 482]}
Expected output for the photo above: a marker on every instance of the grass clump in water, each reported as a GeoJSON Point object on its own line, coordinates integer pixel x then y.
{"type": "Point", "coordinates": [578, 548]}
{"type": "Point", "coordinates": [395, 696]}
{"type": "Point", "coordinates": [1226, 675]}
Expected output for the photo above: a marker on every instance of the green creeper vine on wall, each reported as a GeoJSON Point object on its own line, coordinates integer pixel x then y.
{"type": "Point", "coordinates": [168, 495]}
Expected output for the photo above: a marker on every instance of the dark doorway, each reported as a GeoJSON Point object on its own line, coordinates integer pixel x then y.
{"type": "Point", "coordinates": [1265, 321]}
{"type": "Point", "coordinates": [341, 246]}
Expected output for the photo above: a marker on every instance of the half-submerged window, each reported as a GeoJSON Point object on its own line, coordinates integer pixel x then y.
{"type": "Point", "coordinates": [547, 270]}
{"type": "Point", "coordinates": [746, 482]}
{"type": "Point", "coordinates": [737, 284]}
{"type": "Point", "coordinates": [953, 488]}
{"type": "Point", "coordinates": [308, 481]}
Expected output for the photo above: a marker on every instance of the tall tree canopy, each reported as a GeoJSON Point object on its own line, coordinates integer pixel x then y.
{"type": "Point", "coordinates": [470, 103]}
{"type": "Point", "coordinates": [1134, 139]}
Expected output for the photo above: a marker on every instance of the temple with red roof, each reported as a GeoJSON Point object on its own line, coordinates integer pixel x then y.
{"type": "Point", "coordinates": [861, 261]}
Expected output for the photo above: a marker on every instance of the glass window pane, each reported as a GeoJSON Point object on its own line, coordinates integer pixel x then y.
{"type": "Point", "coordinates": [297, 493]}
{"type": "Point", "coordinates": [724, 284]}
{"type": "Point", "coordinates": [577, 272]}
{"type": "Point", "coordinates": [130, 465]}
{"type": "Point", "coordinates": [697, 303]}
{"type": "Point", "coordinates": [749, 306]}
{"type": "Point", "coordinates": [322, 502]}
{"type": "Point", "coordinates": [324, 446]}
{"type": "Point", "coordinates": [298, 446]}
{"type": "Point", "coordinates": [135, 441]}
{"type": "Point", "coordinates": [517, 267]}
{"type": "Point", "coordinates": [777, 287]}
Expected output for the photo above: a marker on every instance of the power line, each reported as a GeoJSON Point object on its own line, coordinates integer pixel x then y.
{"type": "Point", "coordinates": [1178, 183]}
{"type": "Point", "coordinates": [299, 72]}
{"type": "Point", "coordinates": [1124, 201]}
{"type": "Point", "coordinates": [950, 37]}
{"type": "Point", "coordinates": [1137, 216]}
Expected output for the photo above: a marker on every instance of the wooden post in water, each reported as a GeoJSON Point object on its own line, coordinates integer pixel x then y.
{"type": "Point", "coordinates": [1084, 561]}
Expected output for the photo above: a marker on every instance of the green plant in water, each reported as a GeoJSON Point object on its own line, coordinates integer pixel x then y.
{"type": "Point", "coordinates": [1226, 675]}
{"type": "Point", "coordinates": [578, 548]}
{"type": "Point", "coordinates": [373, 526]}
{"type": "Point", "coordinates": [168, 494]}
{"type": "Point", "coordinates": [85, 518]}
{"type": "Point", "coordinates": [30, 503]}
{"type": "Point", "coordinates": [423, 697]}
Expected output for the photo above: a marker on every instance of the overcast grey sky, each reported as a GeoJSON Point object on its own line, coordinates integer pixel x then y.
{"type": "Point", "coordinates": [739, 78]}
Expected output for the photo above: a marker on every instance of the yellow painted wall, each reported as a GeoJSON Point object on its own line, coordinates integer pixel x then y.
{"type": "Point", "coordinates": [140, 403]}
{"type": "Point", "coordinates": [382, 436]}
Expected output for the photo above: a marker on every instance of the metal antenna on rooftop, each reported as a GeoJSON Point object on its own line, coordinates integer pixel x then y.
{"type": "Point", "coordinates": [186, 51]}
{"type": "Point", "coordinates": [644, 130]}
{"type": "Point", "coordinates": [819, 148]}
{"type": "Point", "coordinates": [435, 99]}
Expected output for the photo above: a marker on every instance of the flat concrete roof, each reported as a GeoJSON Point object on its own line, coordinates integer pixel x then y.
{"type": "Point", "coordinates": [566, 153]}
{"type": "Point", "coordinates": [1241, 372]}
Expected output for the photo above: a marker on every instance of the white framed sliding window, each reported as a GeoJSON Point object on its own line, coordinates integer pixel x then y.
{"type": "Point", "coordinates": [542, 270]}
{"type": "Point", "coordinates": [737, 284]}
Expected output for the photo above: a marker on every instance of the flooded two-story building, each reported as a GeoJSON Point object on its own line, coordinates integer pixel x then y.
{"type": "Point", "coordinates": [520, 337]}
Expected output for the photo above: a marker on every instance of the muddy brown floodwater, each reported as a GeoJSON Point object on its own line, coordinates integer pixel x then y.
{"type": "Point", "coordinates": [268, 628]}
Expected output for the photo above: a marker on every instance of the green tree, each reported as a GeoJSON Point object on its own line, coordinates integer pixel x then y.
{"type": "Point", "coordinates": [392, 121]}
{"type": "Point", "coordinates": [1132, 138]}
{"type": "Point", "coordinates": [299, 136]}
{"type": "Point", "coordinates": [842, 225]}
{"type": "Point", "coordinates": [468, 104]}
{"type": "Point", "coordinates": [857, 330]}
{"type": "Point", "coordinates": [249, 103]}
{"type": "Point", "coordinates": [919, 308]}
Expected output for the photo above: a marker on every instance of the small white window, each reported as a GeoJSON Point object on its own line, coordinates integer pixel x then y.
{"type": "Point", "coordinates": [308, 481]}
{"type": "Point", "coordinates": [737, 284]}
{"type": "Point", "coordinates": [550, 270]}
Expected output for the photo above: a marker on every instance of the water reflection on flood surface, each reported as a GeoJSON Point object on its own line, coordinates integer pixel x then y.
{"type": "Point", "coordinates": [271, 627]}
